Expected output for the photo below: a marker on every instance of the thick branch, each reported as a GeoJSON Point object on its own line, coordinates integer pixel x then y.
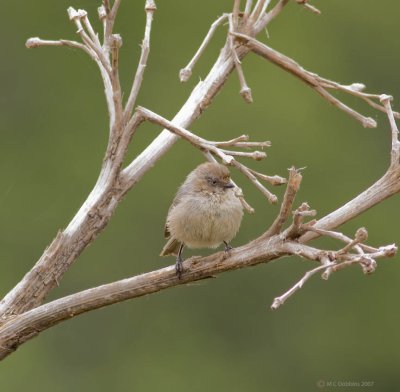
{"type": "Point", "coordinates": [385, 187]}
{"type": "Point", "coordinates": [25, 326]}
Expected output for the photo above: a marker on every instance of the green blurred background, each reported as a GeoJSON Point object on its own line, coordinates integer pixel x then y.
{"type": "Point", "coordinates": [220, 334]}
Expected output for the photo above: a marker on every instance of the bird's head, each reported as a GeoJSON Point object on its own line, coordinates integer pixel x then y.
{"type": "Point", "coordinates": [212, 177]}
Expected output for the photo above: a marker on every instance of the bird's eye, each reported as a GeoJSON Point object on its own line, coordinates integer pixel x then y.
{"type": "Point", "coordinates": [214, 181]}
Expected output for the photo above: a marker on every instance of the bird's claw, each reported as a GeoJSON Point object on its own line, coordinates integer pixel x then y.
{"type": "Point", "coordinates": [179, 268]}
{"type": "Point", "coordinates": [227, 247]}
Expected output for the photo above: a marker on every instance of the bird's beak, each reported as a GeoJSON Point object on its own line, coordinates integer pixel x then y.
{"type": "Point", "coordinates": [229, 185]}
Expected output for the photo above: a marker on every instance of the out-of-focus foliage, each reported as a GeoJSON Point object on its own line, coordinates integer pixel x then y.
{"type": "Point", "coordinates": [220, 334]}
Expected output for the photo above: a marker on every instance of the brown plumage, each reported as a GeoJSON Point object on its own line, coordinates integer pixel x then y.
{"type": "Point", "coordinates": [204, 213]}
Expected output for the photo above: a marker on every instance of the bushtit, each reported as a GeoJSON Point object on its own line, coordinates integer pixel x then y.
{"type": "Point", "coordinates": [205, 212]}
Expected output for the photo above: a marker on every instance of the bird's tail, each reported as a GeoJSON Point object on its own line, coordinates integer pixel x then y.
{"type": "Point", "coordinates": [171, 247]}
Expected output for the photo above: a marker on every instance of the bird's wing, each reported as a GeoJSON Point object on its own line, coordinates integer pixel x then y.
{"type": "Point", "coordinates": [177, 199]}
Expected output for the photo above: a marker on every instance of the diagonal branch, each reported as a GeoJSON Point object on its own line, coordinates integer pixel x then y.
{"type": "Point", "coordinates": [317, 83]}
{"type": "Point", "coordinates": [186, 72]}
{"type": "Point", "coordinates": [245, 90]}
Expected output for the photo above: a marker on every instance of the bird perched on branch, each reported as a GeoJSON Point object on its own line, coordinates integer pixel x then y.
{"type": "Point", "coordinates": [204, 214]}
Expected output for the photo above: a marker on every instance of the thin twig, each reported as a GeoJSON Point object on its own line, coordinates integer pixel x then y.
{"type": "Point", "coordinates": [395, 151]}
{"type": "Point", "coordinates": [309, 7]}
{"type": "Point", "coordinates": [186, 72]}
{"type": "Point", "coordinates": [309, 78]}
{"type": "Point", "coordinates": [202, 144]}
{"type": "Point", "coordinates": [256, 155]}
{"type": "Point", "coordinates": [76, 17]}
{"type": "Point", "coordinates": [279, 301]}
{"type": "Point", "coordinates": [245, 90]}
{"type": "Point", "coordinates": [150, 8]}
{"type": "Point", "coordinates": [93, 36]}
{"type": "Point", "coordinates": [341, 237]}
{"type": "Point", "coordinates": [259, 9]}
{"type": "Point", "coordinates": [293, 185]}
{"type": "Point", "coordinates": [247, 9]}
{"type": "Point", "coordinates": [36, 42]}
{"type": "Point", "coordinates": [241, 141]}
{"type": "Point", "coordinates": [115, 44]}
{"type": "Point", "coordinates": [235, 13]}
{"type": "Point", "coordinates": [267, 18]}
{"type": "Point", "coordinates": [243, 169]}
{"type": "Point", "coordinates": [332, 263]}
{"type": "Point", "coordinates": [297, 229]}
{"type": "Point", "coordinates": [361, 236]}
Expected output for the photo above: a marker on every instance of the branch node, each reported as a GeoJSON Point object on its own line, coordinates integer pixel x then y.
{"type": "Point", "coordinates": [369, 122]}
{"type": "Point", "coordinates": [245, 92]}
{"type": "Point", "coordinates": [72, 13]}
{"type": "Point", "coordinates": [115, 41]}
{"type": "Point", "coordinates": [185, 74]}
{"type": "Point", "coordinates": [359, 87]}
{"type": "Point", "coordinates": [33, 42]}
{"type": "Point", "coordinates": [102, 13]}
{"type": "Point", "coordinates": [150, 6]}
{"type": "Point", "coordinates": [361, 235]}
{"type": "Point", "coordinates": [385, 98]}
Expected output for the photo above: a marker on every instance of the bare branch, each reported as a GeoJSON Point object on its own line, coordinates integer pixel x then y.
{"type": "Point", "coordinates": [185, 73]}
{"type": "Point", "coordinates": [265, 19]}
{"type": "Point", "coordinates": [235, 14]}
{"type": "Point", "coordinates": [331, 262]}
{"type": "Point", "coordinates": [245, 90]}
{"type": "Point", "coordinates": [115, 44]}
{"type": "Point", "coordinates": [137, 82]}
{"type": "Point", "coordinates": [273, 180]}
{"type": "Point", "coordinates": [241, 141]}
{"type": "Point", "coordinates": [293, 185]}
{"type": "Point", "coordinates": [279, 301]}
{"type": "Point", "coordinates": [36, 42]}
{"type": "Point", "coordinates": [259, 9]}
{"type": "Point", "coordinates": [309, 78]}
{"type": "Point", "coordinates": [395, 151]}
{"type": "Point", "coordinates": [243, 169]}
{"type": "Point", "coordinates": [247, 9]}
{"type": "Point", "coordinates": [108, 14]}
{"type": "Point", "coordinates": [341, 237]}
{"type": "Point", "coordinates": [309, 7]}
{"type": "Point", "coordinates": [296, 229]}
{"type": "Point", "coordinates": [76, 17]}
{"type": "Point", "coordinates": [204, 145]}
{"type": "Point", "coordinates": [23, 327]}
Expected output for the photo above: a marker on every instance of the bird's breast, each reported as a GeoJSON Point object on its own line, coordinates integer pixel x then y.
{"type": "Point", "coordinates": [206, 220]}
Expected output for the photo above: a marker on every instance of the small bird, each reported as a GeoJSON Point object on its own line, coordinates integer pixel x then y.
{"type": "Point", "coordinates": [205, 212]}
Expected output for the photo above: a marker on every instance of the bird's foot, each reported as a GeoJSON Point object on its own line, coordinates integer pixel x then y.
{"type": "Point", "coordinates": [227, 247]}
{"type": "Point", "coordinates": [227, 250]}
{"type": "Point", "coordinates": [179, 267]}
